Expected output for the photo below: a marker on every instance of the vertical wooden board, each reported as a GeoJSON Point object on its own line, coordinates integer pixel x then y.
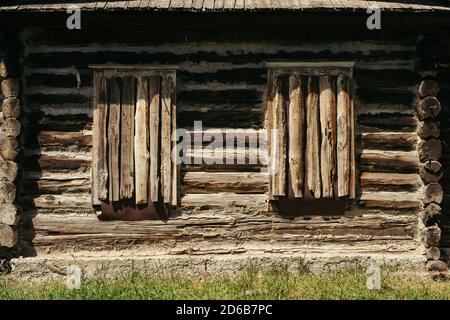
{"type": "Point", "coordinates": [312, 139]}
{"type": "Point", "coordinates": [154, 124]}
{"type": "Point", "coordinates": [175, 166]}
{"type": "Point", "coordinates": [166, 124]}
{"type": "Point", "coordinates": [278, 141]}
{"type": "Point", "coordinates": [95, 134]}
{"type": "Point", "coordinates": [282, 109]}
{"type": "Point", "coordinates": [141, 143]}
{"type": "Point", "coordinates": [101, 135]}
{"type": "Point", "coordinates": [296, 123]}
{"type": "Point", "coordinates": [270, 95]}
{"type": "Point", "coordinates": [127, 139]}
{"type": "Point", "coordinates": [343, 136]}
{"type": "Point", "coordinates": [352, 186]}
{"type": "Point", "coordinates": [114, 138]}
{"type": "Point", "coordinates": [327, 106]}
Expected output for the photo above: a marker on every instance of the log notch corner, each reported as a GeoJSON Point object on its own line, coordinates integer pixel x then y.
{"type": "Point", "coordinates": [11, 56]}
{"type": "Point", "coordinates": [429, 151]}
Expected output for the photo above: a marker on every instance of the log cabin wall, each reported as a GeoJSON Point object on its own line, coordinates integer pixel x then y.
{"type": "Point", "coordinates": [443, 78]}
{"type": "Point", "coordinates": [221, 82]}
{"type": "Point", "coordinates": [11, 53]}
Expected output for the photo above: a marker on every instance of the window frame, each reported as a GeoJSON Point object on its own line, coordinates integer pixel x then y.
{"type": "Point", "coordinates": [278, 69]}
{"type": "Point", "coordinates": [112, 71]}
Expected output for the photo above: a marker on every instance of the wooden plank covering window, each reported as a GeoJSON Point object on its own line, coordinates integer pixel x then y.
{"type": "Point", "coordinates": [316, 130]}
{"type": "Point", "coordinates": [133, 175]}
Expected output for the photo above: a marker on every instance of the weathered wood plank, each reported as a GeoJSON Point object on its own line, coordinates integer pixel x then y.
{"type": "Point", "coordinates": [67, 139]}
{"type": "Point", "coordinates": [390, 159]}
{"type": "Point", "coordinates": [296, 123]}
{"type": "Point", "coordinates": [381, 179]}
{"type": "Point", "coordinates": [279, 141]}
{"type": "Point", "coordinates": [101, 136]}
{"type": "Point", "coordinates": [175, 166]}
{"type": "Point", "coordinates": [54, 201]}
{"type": "Point", "coordinates": [166, 129]}
{"type": "Point", "coordinates": [127, 139]}
{"type": "Point", "coordinates": [353, 164]}
{"type": "Point", "coordinates": [224, 200]}
{"type": "Point", "coordinates": [154, 127]}
{"type": "Point", "coordinates": [270, 96]}
{"type": "Point", "coordinates": [343, 136]}
{"type": "Point", "coordinates": [114, 139]}
{"type": "Point", "coordinates": [328, 130]}
{"type": "Point", "coordinates": [214, 182]}
{"type": "Point", "coordinates": [391, 200]}
{"type": "Point", "coordinates": [141, 143]}
{"type": "Point", "coordinates": [312, 153]}
{"type": "Point", "coordinates": [45, 186]}
{"type": "Point", "coordinates": [244, 227]}
{"type": "Point", "coordinates": [389, 139]}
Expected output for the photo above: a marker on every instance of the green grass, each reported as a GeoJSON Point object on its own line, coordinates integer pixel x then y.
{"type": "Point", "coordinates": [272, 283]}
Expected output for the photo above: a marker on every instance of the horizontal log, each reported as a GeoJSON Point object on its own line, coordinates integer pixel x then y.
{"type": "Point", "coordinates": [391, 200]}
{"type": "Point", "coordinates": [213, 182]}
{"type": "Point", "coordinates": [242, 227]}
{"type": "Point", "coordinates": [429, 150]}
{"type": "Point", "coordinates": [428, 87]}
{"type": "Point", "coordinates": [11, 87]}
{"type": "Point", "coordinates": [224, 200]}
{"type": "Point", "coordinates": [56, 186]}
{"type": "Point", "coordinates": [236, 56]}
{"type": "Point", "coordinates": [389, 139]}
{"type": "Point", "coordinates": [390, 121]}
{"type": "Point", "coordinates": [226, 156]}
{"type": "Point", "coordinates": [67, 201]}
{"type": "Point", "coordinates": [11, 108]}
{"type": "Point", "coordinates": [55, 162]}
{"type": "Point", "coordinates": [64, 139]}
{"type": "Point", "coordinates": [38, 122]}
{"type": "Point", "coordinates": [251, 117]}
{"type": "Point", "coordinates": [8, 214]}
{"type": "Point", "coordinates": [431, 236]}
{"type": "Point", "coordinates": [390, 159]}
{"type": "Point", "coordinates": [381, 179]}
{"type": "Point", "coordinates": [208, 136]}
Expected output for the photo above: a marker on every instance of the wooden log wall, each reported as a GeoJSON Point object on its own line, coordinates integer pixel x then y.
{"type": "Point", "coordinates": [429, 150]}
{"type": "Point", "coordinates": [10, 128]}
{"type": "Point", "coordinates": [443, 78]}
{"type": "Point", "coordinates": [221, 81]}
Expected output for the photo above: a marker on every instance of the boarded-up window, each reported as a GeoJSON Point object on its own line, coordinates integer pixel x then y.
{"type": "Point", "coordinates": [311, 133]}
{"type": "Point", "coordinates": [133, 176]}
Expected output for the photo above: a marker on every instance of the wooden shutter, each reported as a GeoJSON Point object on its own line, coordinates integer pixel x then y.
{"type": "Point", "coordinates": [133, 121]}
{"type": "Point", "coordinates": [311, 135]}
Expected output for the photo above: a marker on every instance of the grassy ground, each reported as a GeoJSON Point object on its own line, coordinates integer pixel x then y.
{"type": "Point", "coordinates": [271, 283]}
